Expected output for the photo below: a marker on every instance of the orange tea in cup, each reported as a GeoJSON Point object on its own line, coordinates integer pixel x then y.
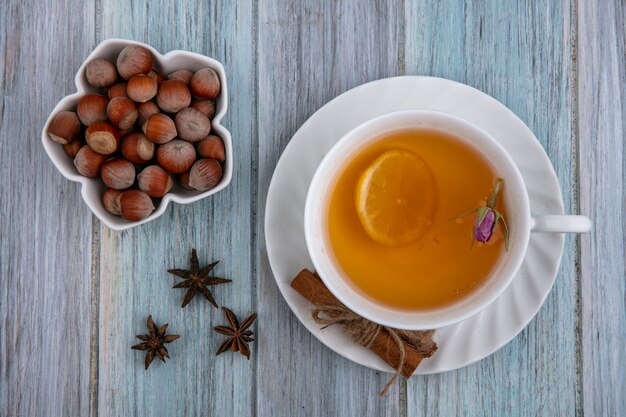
{"type": "Point", "coordinates": [413, 251]}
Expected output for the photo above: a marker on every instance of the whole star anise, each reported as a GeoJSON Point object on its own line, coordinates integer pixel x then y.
{"type": "Point", "coordinates": [238, 336]}
{"type": "Point", "coordinates": [154, 341]}
{"type": "Point", "coordinates": [197, 280]}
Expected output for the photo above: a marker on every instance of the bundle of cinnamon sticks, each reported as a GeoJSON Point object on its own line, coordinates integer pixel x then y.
{"type": "Point", "coordinates": [311, 287]}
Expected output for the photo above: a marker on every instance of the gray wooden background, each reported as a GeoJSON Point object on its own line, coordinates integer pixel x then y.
{"type": "Point", "coordinates": [73, 293]}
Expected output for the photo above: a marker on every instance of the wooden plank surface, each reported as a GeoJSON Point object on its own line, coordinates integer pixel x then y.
{"type": "Point", "coordinates": [522, 56]}
{"type": "Point", "coordinates": [133, 264]}
{"type": "Point", "coordinates": [45, 229]}
{"type": "Point", "coordinates": [309, 52]}
{"type": "Point", "coordinates": [559, 65]}
{"type": "Point", "coordinates": [602, 129]}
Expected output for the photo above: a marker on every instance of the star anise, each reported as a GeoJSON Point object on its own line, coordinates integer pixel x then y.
{"type": "Point", "coordinates": [197, 280]}
{"type": "Point", "coordinates": [154, 341]}
{"type": "Point", "coordinates": [238, 336]}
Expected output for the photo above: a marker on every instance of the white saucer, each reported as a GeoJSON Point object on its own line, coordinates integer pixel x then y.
{"type": "Point", "coordinates": [479, 336]}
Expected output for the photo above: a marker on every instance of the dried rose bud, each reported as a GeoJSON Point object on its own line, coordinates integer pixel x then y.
{"type": "Point", "coordinates": [488, 217]}
{"type": "Point", "coordinates": [484, 224]}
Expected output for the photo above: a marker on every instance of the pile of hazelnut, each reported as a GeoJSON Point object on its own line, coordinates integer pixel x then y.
{"type": "Point", "coordinates": [144, 131]}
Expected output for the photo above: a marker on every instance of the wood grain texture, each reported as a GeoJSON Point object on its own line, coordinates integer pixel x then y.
{"type": "Point", "coordinates": [602, 129]}
{"type": "Point", "coordinates": [559, 65]}
{"type": "Point", "coordinates": [309, 52]}
{"type": "Point", "coordinates": [133, 264]}
{"type": "Point", "coordinates": [45, 229]}
{"type": "Point", "coordinates": [521, 54]}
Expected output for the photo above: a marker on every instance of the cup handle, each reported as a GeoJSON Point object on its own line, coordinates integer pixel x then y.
{"type": "Point", "coordinates": [560, 224]}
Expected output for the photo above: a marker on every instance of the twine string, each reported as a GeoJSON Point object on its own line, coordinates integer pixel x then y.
{"type": "Point", "coordinates": [365, 332]}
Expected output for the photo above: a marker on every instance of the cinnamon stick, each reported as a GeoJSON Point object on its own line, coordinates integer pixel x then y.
{"type": "Point", "coordinates": [311, 287]}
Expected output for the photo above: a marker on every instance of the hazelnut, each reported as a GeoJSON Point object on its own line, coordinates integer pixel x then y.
{"type": "Point", "coordinates": [211, 147]}
{"type": "Point", "coordinates": [159, 128]}
{"type": "Point", "coordinates": [103, 138]}
{"type": "Point", "coordinates": [141, 88]}
{"type": "Point", "coordinates": [206, 107]}
{"type": "Point", "coordinates": [134, 60]}
{"type": "Point", "coordinates": [192, 125]}
{"type": "Point", "coordinates": [122, 112]}
{"type": "Point", "coordinates": [137, 149]}
{"type": "Point", "coordinates": [155, 181]}
{"type": "Point", "coordinates": [157, 76]}
{"type": "Point", "coordinates": [205, 83]}
{"type": "Point", "coordinates": [88, 162]}
{"type": "Point", "coordinates": [183, 179]}
{"type": "Point", "coordinates": [72, 148]}
{"type": "Point", "coordinates": [117, 90]}
{"type": "Point", "coordinates": [64, 127]}
{"type": "Point", "coordinates": [135, 205]}
{"type": "Point", "coordinates": [146, 110]}
{"type": "Point", "coordinates": [173, 96]}
{"type": "Point", "coordinates": [110, 201]}
{"type": "Point", "coordinates": [205, 174]}
{"type": "Point", "coordinates": [176, 156]}
{"type": "Point", "coordinates": [118, 173]}
{"type": "Point", "coordinates": [101, 73]}
{"type": "Point", "coordinates": [181, 75]}
{"type": "Point", "coordinates": [92, 108]}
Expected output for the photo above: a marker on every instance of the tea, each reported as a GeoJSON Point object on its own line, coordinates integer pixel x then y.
{"type": "Point", "coordinates": [438, 267]}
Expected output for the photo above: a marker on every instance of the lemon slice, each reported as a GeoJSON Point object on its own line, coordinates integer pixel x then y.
{"type": "Point", "coordinates": [395, 198]}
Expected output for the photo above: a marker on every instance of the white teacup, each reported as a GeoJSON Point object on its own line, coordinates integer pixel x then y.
{"type": "Point", "coordinates": [520, 220]}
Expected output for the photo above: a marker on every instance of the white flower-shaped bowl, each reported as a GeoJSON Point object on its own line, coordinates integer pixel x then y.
{"type": "Point", "coordinates": [92, 188]}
